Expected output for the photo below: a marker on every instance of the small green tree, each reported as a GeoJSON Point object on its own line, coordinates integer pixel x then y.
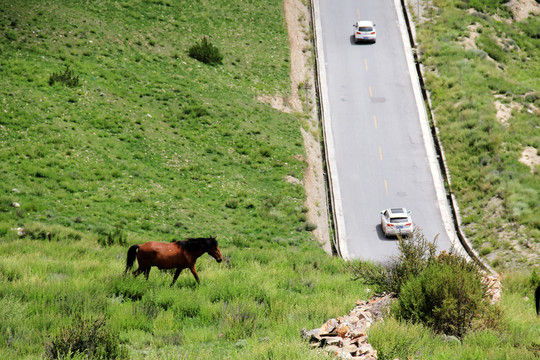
{"type": "Point", "coordinates": [206, 52]}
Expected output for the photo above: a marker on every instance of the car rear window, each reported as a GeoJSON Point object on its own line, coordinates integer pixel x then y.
{"type": "Point", "coordinates": [398, 220]}
{"type": "Point", "coordinates": [365, 28]}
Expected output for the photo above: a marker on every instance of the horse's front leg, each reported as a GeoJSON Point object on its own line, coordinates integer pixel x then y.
{"type": "Point", "coordinates": [178, 270]}
{"type": "Point", "coordinates": [194, 272]}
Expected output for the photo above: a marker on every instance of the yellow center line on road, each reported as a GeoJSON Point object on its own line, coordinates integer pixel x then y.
{"type": "Point", "coordinates": [358, 13]}
{"type": "Point", "coordinates": [380, 153]}
{"type": "Point", "coordinates": [375, 121]}
{"type": "Point", "coordinates": [365, 63]}
{"type": "Point", "coordinates": [370, 92]}
{"type": "Point", "coordinates": [386, 186]}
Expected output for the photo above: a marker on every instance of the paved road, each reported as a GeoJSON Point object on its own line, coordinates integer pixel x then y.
{"type": "Point", "coordinates": [380, 156]}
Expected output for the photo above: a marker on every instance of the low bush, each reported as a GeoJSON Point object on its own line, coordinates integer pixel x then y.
{"type": "Point", "coordinates": [370, 273]}
{"type": "Point", "coordinates": [89, 339]}
{"type": "Point", "coordinates": [39, 231]}
{"type": "Point", "coordinates": [67, 78]}
{"type": "Point", "coordinates": [490, 46]}
{"type": "Point", "coordinates": [117, 236]}
{"type": "Point", "coordinates": [206, 52]}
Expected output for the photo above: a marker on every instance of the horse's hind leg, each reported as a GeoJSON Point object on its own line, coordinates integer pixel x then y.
{"type": "Point", "coordinates": [147, 273]}
{"type": "Point", "coordinates": [140, 270]}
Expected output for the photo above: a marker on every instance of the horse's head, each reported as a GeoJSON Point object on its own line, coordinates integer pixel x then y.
{"type": "Point", "coordinates": [213, 249]}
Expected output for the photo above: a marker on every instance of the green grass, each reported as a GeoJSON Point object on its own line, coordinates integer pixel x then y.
{"type": "Point", "coordinates": [516, 337]}
{"type": "Point", "coordinates": [151, 137]}
{"type": "Point", "coordinates": [482, 154]}
{"type": "Point", "coordinates": [154, 145]}
{"type": "Point", "coordinates": [257, 300]}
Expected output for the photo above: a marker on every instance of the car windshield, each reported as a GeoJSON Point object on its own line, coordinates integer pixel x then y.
{"type": "Point", "coordinates": [365, 28]}
{"type": "Point", "coordinates": [398, 220]}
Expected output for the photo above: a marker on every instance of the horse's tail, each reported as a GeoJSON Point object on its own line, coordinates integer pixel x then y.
{"type": "Point", "coordinates": [537, 299]}
{"type": "Point", "coordinates": [131, 255]}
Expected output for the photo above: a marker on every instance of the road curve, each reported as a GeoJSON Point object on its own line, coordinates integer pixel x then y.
{"type": "Point", "coordinates": [379, 148]}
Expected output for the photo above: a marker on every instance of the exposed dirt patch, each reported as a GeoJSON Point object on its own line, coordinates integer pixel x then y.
{"type": "Point", "coordinates": [529, 157]}
{"type": "Point", "coordinates": [504, 110]}
{"type": "Point", "coordinates": [303, 100]}
{"type": "Point", "coordinates": [470, 42]}
{"type": "Point", "coordinates": [281, 103]}
{"type": "Point", "coordinates": [522, 9]}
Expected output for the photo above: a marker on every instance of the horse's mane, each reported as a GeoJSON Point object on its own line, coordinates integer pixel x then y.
{"type": "Point", "coordinates": [194, 244]}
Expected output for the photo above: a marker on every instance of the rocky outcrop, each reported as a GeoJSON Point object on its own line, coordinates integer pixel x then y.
{"type": "Point", "coordinates": [493, 287]}
{"type": "Point", "coordinates": [346, 337]}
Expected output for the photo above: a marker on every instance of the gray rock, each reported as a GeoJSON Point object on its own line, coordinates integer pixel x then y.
{"type": "Point", "coordinates": [335, 340]}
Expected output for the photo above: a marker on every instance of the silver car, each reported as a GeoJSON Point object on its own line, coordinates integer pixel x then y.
{"type": "Point", "coordinates": [364, 30]}
{"type": "Point", "coordinates": [396, 221]}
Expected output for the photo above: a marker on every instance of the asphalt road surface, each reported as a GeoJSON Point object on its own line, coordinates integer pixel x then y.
{"type": "Point", "coordinates": [380, 155]}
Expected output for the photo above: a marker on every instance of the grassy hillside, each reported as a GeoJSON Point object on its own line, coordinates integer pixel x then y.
{"type": "Point", "coordinates": [151, 144]}
{"type": "Point", "coordinates": [483, 73]}
{"type": "Point", "coordinates": [154, 145]}
{"type": "Point", "coordinates": [150, 138]}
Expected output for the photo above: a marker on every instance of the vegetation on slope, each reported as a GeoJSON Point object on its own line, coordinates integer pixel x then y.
{"type": "Point", "coordinates": [476, 56]}
{"type": "Point", "coordinates": [111, 134]}
{"type": "Point", "coordinates": [443, 310]}
{"type": "Point", "coordinates": [147, 143]}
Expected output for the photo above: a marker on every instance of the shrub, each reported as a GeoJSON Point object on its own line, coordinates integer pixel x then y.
{"type": "Point", "coordinates": [11, 35]}
{"type": "Point", "coordinates": [415, 254]}
{"type": "Point", "coordinates": [39, 231]}
{"type": "Point", "coordinates": [309, 226]}
{"type": "Point", "coordinates": [489, 6]}
{"type": "Point", "coordinates": [5, 203]}
{"type": "Point", "coordinates": [370, 273]}
{"type": "Point", "coordinates": [490, 46]}
{"type": "Point", "coordinates": [89, 338]}
{"type": "Point", "coordinates": [231, 203]}
{"type": "Point", "coordinates": [447, 296]}
{"type": "Point", "coordinates": [114, 237]}
{"type": "Point", "coordinates": [206, 53]}
{"type": "Point", "coordinates": [67, 78]}
{"type": "Point", "coordinates": [534, 280]}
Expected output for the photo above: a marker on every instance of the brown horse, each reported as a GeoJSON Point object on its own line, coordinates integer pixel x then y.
{"type": "Point", "coordinates": [178, 254]}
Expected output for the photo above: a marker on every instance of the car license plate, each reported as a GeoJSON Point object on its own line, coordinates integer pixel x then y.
{"type": "Point", "coordinates": [400, 227]}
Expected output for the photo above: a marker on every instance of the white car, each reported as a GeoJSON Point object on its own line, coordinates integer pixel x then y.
{"type": "Point", "coordinates": [396, 221]}
{"type": "Point", "coordinates": [364, 30]}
